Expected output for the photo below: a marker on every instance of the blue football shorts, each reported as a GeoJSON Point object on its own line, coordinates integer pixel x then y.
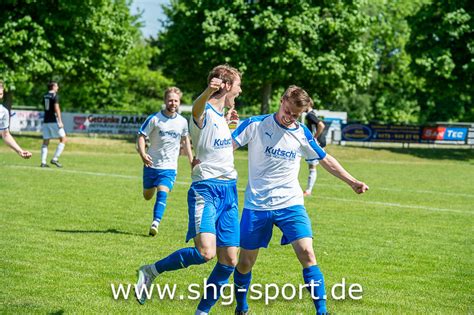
{"type": "Point", "coordinates": [153, 177]}
{"type": "Point", "coordinates": [256, 226]}
{"type": "Point", "coordinates": [213, 208]}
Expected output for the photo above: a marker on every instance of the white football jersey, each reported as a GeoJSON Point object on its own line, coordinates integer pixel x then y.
{"type": "Point", "coordinates": [165, 138]}
{"type": "Point", "coordinates": [274, 155]}
{"type": "Point", "coordinates": [4, 118]}
{"type": "Point", "coordinates": [213, 147]}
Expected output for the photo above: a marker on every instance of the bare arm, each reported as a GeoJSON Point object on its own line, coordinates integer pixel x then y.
{"type": "Point", "coordinates": [332, 166]}
{"type": "Point", "coordinates": [320, 129]}
{"type": "Point", "coordinates": [147, 160]}
{"type": "Point", "coordinates": [200, 103]}
{"type": "Point", "coordinates": [57, 110]}
{"type": "Point", "coordinates": [187, 148]}
{"type": "Point", "coordinates": [10, 141]}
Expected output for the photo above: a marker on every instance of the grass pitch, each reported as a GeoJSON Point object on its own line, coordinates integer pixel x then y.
{"type": "Point", "coordinates": [68, 234]}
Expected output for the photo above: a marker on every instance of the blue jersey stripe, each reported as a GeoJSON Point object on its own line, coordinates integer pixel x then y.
{"type": "Point", "coordinates": [215, 111]}
{"type": "Point", "coordinates": [319, 151]}
{"type": "Point", "coordinates": [203, 123]}
{"type": "Point", "coordinates": [235, 140]}
{"type": "Point", "coordinates": [147, 121]}
{"type": "Point", "coordinates": [169, 117]}
{"type": "Point", "coordinates": [246, 123]}
{"type": "Point", "coordinates": [208, 106]}
{"type": "Point", "coordinates": [286, 128]}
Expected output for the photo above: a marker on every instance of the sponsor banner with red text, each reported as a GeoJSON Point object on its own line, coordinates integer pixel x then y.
{"type": "Point", "coordinates": [450, 134]}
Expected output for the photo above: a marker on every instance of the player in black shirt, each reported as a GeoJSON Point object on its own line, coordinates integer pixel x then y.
{"type": "Point", "coordinates": [316, 126]}
{"type": "Point", "coordinates": [53, 127]}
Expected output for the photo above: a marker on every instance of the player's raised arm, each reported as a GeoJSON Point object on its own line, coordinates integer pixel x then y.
{"type": "Point", "coordinates": [336, 169]}
{"type": "Point", "coordinates": [147, 160]}
{"type": "Point", "coordinates": [200, 103]}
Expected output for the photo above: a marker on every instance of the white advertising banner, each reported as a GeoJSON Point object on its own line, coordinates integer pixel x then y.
{"type": "Point", "coordinates": [24, 120]}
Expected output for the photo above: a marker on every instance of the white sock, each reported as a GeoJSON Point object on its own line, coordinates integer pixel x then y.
{"type": "Point", "coordinates": [44, 153]}
{"type": "Point", "coordinates": [153, 270]}
{"type": "Point", "coordinates": [198, 312]}
{"type": "Point", "coordinates": [59, 150]}
{"type": "Point", "coordinates": [311, 179]}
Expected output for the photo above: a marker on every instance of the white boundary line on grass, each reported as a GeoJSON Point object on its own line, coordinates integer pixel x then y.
{"type": "Point", "coordinates": [397, 205]}
{"type": "Point", "coordinates": [406, 191]}
{"type": "Point", "coordinates": [74, 171]}
{"type": "Point", "coordinates": [387, 204]}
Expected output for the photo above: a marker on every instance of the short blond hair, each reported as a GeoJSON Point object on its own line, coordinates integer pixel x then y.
{"type": "Point", "coordinates": [173, 89]}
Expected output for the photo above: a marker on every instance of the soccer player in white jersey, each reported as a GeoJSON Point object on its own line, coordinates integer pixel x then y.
{"type": "Point", "coordinates": [6, 135]}
{"type": "Point", "coordinates": [212, 197]}
{"type": "Point", "coordinates": [276, 143]}
{"type": "Point", "coordinates": [166, 131]}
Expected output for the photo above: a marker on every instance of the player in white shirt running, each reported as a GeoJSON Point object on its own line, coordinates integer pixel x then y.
{"type": "Point", "coordinates": [212, 197]}
{"type": "Point", "coordinates": [4, 130]}
{"type": "Point", "coordinates": [166, 131]}
{"type": "Point", "coordinates": [276, 143]}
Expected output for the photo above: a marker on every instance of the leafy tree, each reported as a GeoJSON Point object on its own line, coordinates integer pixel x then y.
{"type": "Point", "coordinates": [76, 42]}
{"type": "Point", "coordinates": [442, 49]}
{"type": "Point", "coordinates": [316, 44]}
{"type": "Point", "coordinates": [22, 51]}
{"type": "Point", "coordinates": [390, 97]}
{"type": "Point", "coordinates": [137, 87]}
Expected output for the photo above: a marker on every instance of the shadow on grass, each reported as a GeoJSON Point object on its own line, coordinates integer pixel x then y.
{"type": "Point", "coordinates": [111, 231]}
{"type": "Point", "coordinates": [60, 312]}
{"type": "Point", "coordinates": [434, 153]}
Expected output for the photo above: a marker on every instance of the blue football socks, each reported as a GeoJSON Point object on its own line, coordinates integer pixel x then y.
{"type": "Point", "coordinates": [219, 276]}
{"type": "Point", "coordinates": [314, 275]}
{"type": "Point", "coordinates": [182, 258]}
{"type": "Point", "coordinates": [242, 284]}
{"type": "Point", "coordinates": [160, 205]}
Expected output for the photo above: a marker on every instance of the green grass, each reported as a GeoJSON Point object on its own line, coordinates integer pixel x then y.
{"type": "Point", "coordinates": [67, 234]}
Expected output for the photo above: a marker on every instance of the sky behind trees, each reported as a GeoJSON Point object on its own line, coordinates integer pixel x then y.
{"type": "Point", "coordinates": [152, 12]}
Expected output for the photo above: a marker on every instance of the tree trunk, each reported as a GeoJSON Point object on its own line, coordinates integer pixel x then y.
{"type": "Point", "coordinates": [266, 95]}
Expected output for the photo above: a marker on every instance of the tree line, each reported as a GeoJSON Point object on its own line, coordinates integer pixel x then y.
{"type": "Point", "coordinates": [405, 61]}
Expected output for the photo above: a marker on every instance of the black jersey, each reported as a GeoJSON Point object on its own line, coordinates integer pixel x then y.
{"type": "Point", "coordinates": [312, 122]}
{"type": "Point", "coordinates": [49, 99]}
